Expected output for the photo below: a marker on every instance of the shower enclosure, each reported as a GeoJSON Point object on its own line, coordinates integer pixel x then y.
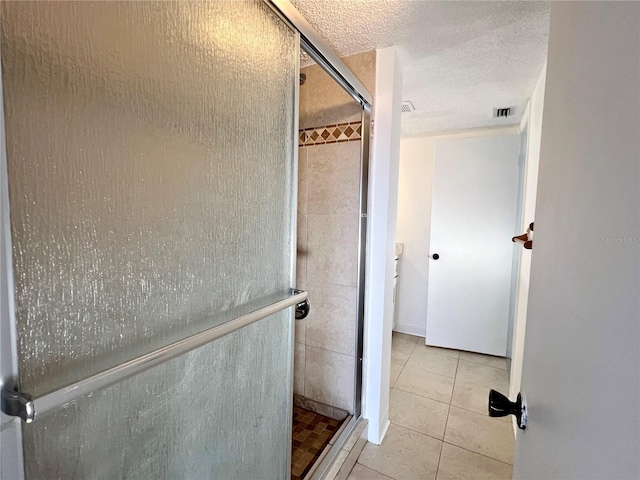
{"type": "Point", "coordinates": [148, 237]}
{"type": "Point", "coordinates": [330, 185]}
{"type": "Point", "coordinates": [329, 190]}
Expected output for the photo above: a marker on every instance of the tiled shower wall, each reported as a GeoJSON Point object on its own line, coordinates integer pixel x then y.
{"type": "Point", "coordinates": [328, 214]}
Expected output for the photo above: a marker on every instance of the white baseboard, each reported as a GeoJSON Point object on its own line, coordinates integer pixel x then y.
{"type": "Point", "coordinates": [376, 435]}
{"type": "Point", "coordinates": [385, 428]}
{"type": "Point", "coordinates": [410, 329]}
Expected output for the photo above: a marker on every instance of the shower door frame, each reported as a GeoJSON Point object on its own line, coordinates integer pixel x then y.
{"type": "Point", "coordinates": [326, 58]}
{"type": "Point", "coordinates": [11, 457]}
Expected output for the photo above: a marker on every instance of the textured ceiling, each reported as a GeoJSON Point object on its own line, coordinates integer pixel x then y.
{"type": "Point", "coordinates": [461, 59]}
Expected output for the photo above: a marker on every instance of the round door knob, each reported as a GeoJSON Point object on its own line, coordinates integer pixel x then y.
{"type": "Point", "coordinates": [435, 256]}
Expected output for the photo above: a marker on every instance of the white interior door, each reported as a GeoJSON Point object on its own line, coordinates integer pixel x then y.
{"type": "Point", "coordinates": [581, 356]}
{"type": "Point", "coordinates": [473, 218]}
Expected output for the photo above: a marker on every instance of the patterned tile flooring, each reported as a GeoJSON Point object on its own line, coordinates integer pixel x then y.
{"type": "Point", "coordinates": [311, 433]}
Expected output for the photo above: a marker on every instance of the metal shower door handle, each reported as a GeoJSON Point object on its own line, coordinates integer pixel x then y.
{"type": "Point", "coordinates": [28, 408]}
{"type": "Point", "coordinates": [302, 308]}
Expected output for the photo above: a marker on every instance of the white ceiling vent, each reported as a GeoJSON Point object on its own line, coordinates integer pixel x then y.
{"type": "Point", "coordinates": [501, 112]}
{"type": "Point", "coordinates": [407, 107]}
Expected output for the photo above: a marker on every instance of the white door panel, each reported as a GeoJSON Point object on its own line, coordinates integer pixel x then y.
{"type": "Point", "coordinates": [473, 219]}
{"type": "Point", "coordinates": [582, 349]}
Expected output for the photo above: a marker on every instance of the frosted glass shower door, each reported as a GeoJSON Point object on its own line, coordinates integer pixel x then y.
{"type": "Point", "coordinates": [149, 201]}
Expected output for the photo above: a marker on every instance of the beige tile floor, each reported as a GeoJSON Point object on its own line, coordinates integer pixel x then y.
{"type": "Point", "coordinates": [439, 423]}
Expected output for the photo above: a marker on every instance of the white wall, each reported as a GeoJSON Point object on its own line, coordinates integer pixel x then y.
{"type": "Point", "coordinates": [414, 223]}
{"type": "Point", "coordinates": [381, 239]}
{"type": "Point", "coordinates": [582, 349]}
{"type": "Point", "coordinates": [534, 132]}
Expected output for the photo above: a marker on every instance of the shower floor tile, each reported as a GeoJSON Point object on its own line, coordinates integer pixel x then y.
{"type": "Point", "coordinates": [311, 434]}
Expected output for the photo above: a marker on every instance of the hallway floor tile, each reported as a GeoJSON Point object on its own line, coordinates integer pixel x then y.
{"type": "Point", "coordinates": [440, 429]}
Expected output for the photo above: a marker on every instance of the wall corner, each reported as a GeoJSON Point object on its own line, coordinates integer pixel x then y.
{"type": "Point", "coordinates": [381, 238]}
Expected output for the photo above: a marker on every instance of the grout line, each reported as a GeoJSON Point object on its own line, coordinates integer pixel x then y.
{"type": "Point", "coordinates": [412, 350]}
{"type": "Point", "coordinates": [476, 412]}
{"type": "Point", "coordinates": [312, 283]}
{"type": "Point", "coordinates": [438, 354]}
{"type": "Point", "coordinates": [417, 338]}
{"type": "Point", "coordinates": [424, 396]}
{"type": "Point", "coordinates": [339, 214]}
{"type": "Point", "coordinates": [324, 284]}
{"type": "Point", "coordinates": [483, 364]}
{"type": "Point", "coordinates": [446, 423]}
{"type": "Point", "coordinates": [399, 373]}
{"type": "Point", "coordinates": [448, 411]}
{"type": "Point", "coordinates": [404, 365]}
{"type": "Point", "coordinates": [326, 350]}
{"type": "Point", "coordinates": [372, 469]}
{"type": "Point", "coordinates": [353, 456]}
{"type": "Point", "coordinates": [455, 379]}
{"type": "Point", "coordinates": [423, 368]}
{"type": "Point", "coordinates": [304, 370]}
{"type": "Point", "coordinates": [480, 385]}
{"type": "Point", "coordinates": [481, 454]}
{"type": "Point", "coordinates": [420, 433]}
{"type": "Point", "coordinates": [421, 396]}
{"type": "Point", "coordinates": [439, 460]}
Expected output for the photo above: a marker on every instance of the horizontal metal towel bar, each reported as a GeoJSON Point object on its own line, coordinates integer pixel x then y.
{"type": "Point", "coordinates": [19, 404]}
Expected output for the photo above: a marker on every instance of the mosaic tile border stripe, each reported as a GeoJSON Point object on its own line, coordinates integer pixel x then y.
{"type": "Point", "coordinates": [342, 132]}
